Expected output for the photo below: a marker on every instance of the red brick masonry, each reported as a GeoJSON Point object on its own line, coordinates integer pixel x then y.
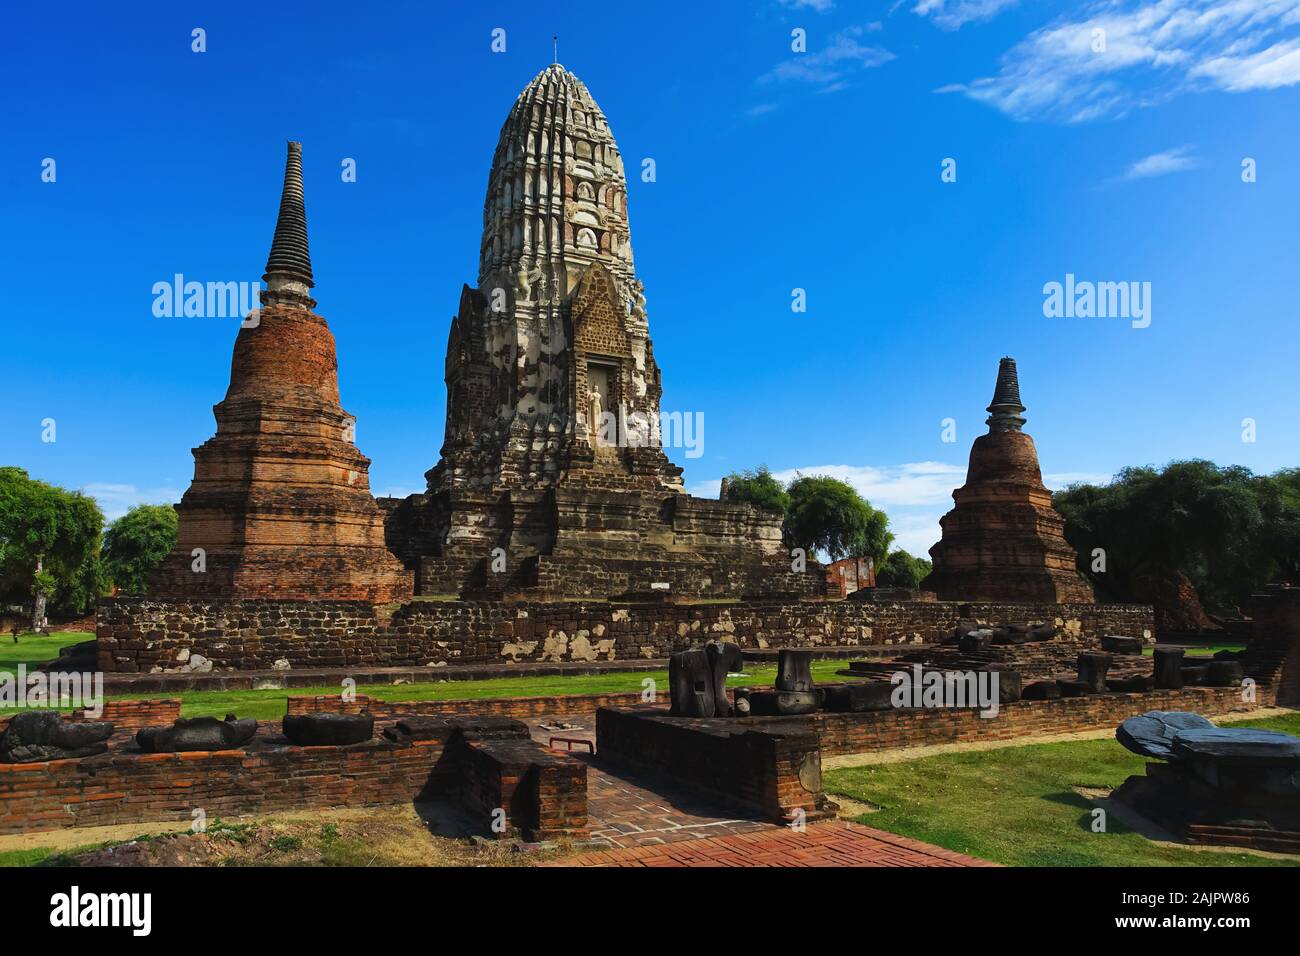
{"type": "Point", "coordinates": [821, 844]}
{"type": "Point", "coordinates": [139, 634]}
{"type": "Point", "coordinates": [543, 793]}
{"type": "Point", "coordinates": [129, 787]}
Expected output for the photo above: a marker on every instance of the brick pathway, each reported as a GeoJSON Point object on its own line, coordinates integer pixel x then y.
{"type": "Point", "coordinates": [626, 809]}
{"type": "Point", "coordinates": [833, 843]}
{"type": "Point", "coordinates": [648, 823]}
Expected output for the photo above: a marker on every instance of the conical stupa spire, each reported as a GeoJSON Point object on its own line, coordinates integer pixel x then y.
{"type": "Point", "coordinates": [1006, 407]}
{"type": "Point", "coordinates": [290, 262]}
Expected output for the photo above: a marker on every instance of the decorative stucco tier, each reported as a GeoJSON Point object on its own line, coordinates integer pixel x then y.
{"type": "Point", "coordinates": [280, 505]}
{"type": "Point", "coordinates": [1004, 541]}
{"type": "Point", "coordinates": [553, 450]}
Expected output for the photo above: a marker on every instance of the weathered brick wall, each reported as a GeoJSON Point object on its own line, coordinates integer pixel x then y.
{"type": "Point", "coordinates": [142, 634]}
{"type": "Point", "coordinates": [126, 716]}
{"type": "Point", "coordinates": [772, 772]}
{"type": "Point", "coordinates": [520, 708]}
{"type": "Point", "coordinates": [125, 786]}
{"type": "Point", "coordinates": [895, 729]}
{"type": "Point", "coordinates": [773, 766]}
{"type": "Point", "coordinates": [1274, 653]}
{"type": "Point", "coordinates": [120, 787]}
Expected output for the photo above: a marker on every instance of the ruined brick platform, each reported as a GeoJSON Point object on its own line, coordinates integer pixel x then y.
{"type": "Point", "coordinates": [482, 767]}
{"type": "Point", "coordinates": [137, 635]}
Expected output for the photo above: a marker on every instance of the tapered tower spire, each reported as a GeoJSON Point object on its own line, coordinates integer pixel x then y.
{"type": "Point", "coordinates": [1006, 407]}
{"type": "Point", "coordinates": [280, 502]}
{"type": "Point", "coordinates": [288, 268]}
{"type": "Point", "coordinates": [1003, 541]}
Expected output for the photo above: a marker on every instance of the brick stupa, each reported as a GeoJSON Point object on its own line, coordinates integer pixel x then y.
{"type": "Point", "coordinates": [280, 503]}
{"type": "Point", "coordinates": [1004, 542]}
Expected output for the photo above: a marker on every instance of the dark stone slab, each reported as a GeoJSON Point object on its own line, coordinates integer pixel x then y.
{"type": "Point", "coordinates": [1011, 634]}
{"type": "Point", "coordinates": [418, 727]}
{"type": "Point", "coordinates": [794, 671]}
{"type": "Point", "coordinates": [1224, 673]}
{"type": "Point", "coordinates": [1117, 644]}
{"type": "Point", "coordinates": [325, 730]}
{"type": "Point", "coordinates": [35, 736]}
{"type": "Point", "coordinates": [857, 698]}
{"type": "Point", "coordinates": [1009, 685]}
{"type": "Point", "coordinates": [1093, 666]}
{"type": "Point", "coordinates": [690, 684]}
{"type": "Point", "coordinates": [1168, 667]}
{"type": "Point", "coordinates": [1237, 744]}
{"type": "Point", "coordinates": [197, 733]}
{"type": "Point", "coordinates": [1074, 688]}
{"type": "Point", "coordinates": [779, 703]}
{"type": "Point", "coordinates": [1135, 684]}
{"type": "Point", "coordinates": [1152, 734]}
{"type": "Point", "coordinates": [1041, 690]}
{"type": "Point", "coordinates": [723, 659]}
{"type": "Point", "coordinates": [976, 642]}
{"type": "Point", "coordinates": [1041, 632]}
{"type": "Point", "coordinates": [1193, 675]}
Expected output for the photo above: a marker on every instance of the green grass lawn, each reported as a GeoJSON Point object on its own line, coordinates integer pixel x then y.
{"type": "Point", "coordinates": [36, 648]}
{"type": "Point", "coordinates": [270, 704]}
{"type": "Point", "coordinates": [1017, 805]}
{"type": "Point", "coordinates": [1202, 650]}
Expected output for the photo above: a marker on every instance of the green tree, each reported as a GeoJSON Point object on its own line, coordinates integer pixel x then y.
{"type": "Point", "coordinates": [828, 515]}
{"type": "Point", "coordinates": [759, 487]}
{"type": "Point", "coordinates": [901, 570]}
{"type": "Point", "coordinates": [1223, 528]}
{"type": "Point", "coordinates": [136, 543]}
{"type": "Point", "coordinates": [49, 546]}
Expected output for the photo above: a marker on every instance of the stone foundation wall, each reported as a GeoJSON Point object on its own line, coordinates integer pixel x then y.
{"type": "Point", "coordinates": [773, 772]}
{"type": "Point", "coordinates": [147, 635]}
{"type": "Point", "coordinates": [126, 716]}
{"type": "Point", "coordinates": [895, 729]}
{"type": "Point", "coordinates": [544, 794]}
{"type": "Point", "coordinates": [135, 788]}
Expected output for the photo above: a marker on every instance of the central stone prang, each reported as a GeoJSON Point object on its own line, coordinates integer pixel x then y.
{"type": "Point", "coordinates": [553, 479]}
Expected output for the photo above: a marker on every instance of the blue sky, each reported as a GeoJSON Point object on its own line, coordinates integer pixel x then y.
{"type": "Point", "coordinates": [776, 170]}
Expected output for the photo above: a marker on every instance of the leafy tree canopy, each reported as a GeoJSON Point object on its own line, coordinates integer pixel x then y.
{"type": "Point", "coordinates": [758, 487]}
{"type": "Point", "coordinates": [901, 570]}
{"type": "Point", "coordinates": [1228, 530]}
{"type": "Point", "coordinates": [829, 515]}
{"type": "Point", "coordinates": [136, 543]}
{"type": "Point", "coordinates": [51, 529]}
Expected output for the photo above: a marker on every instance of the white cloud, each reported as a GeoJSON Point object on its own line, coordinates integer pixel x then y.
{"type": "Point", "coordinates": [117, 500]}
{"type": "Point", "coordinates": [1153, 50]}
{"type": "Point", "coordinates": [1269, 69]}
{"type": "Point", "coordinates": [922, 483]}
{"type": "Point", "coordinates": [953, 14]}
{"type": "Point", "coordinates": [821, 6]}
{"type": "Point", "coordinates": [832, 63]}
{"type": "Point", "coordinates": [1160, 164]}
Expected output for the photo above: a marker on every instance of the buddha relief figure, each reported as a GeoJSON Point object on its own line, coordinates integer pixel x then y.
{"type": "Point", "coordinates": [593, 413]}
